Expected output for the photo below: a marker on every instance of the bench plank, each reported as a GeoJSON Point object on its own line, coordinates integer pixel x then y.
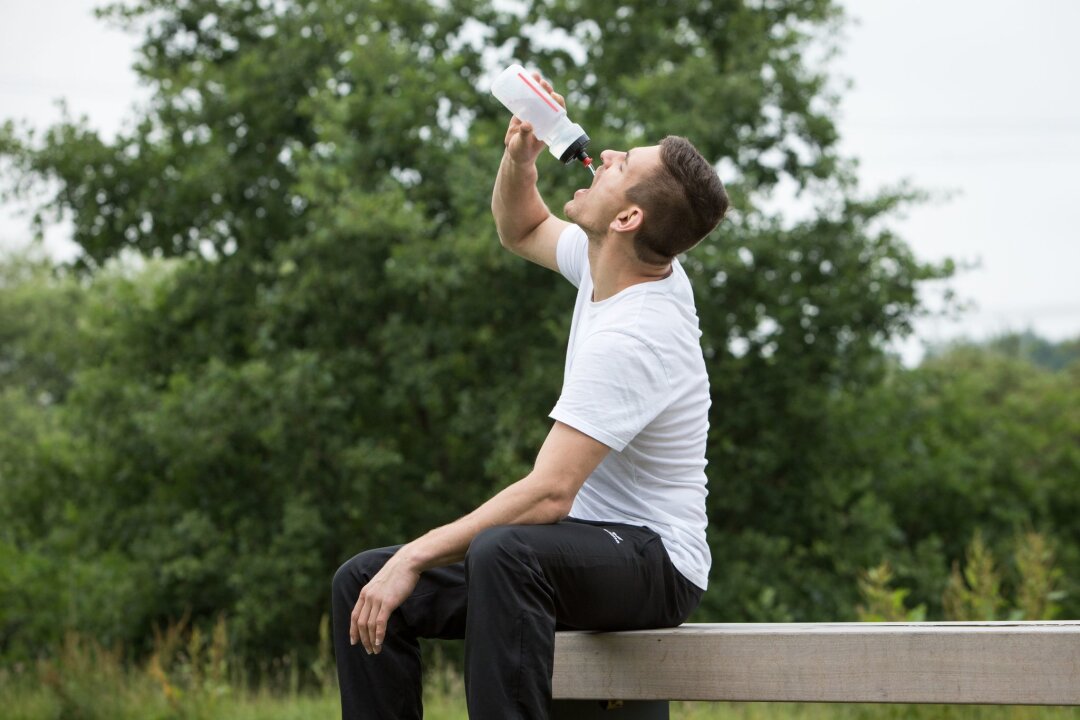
{"type": "Point", "coordinates": [1012, 663]}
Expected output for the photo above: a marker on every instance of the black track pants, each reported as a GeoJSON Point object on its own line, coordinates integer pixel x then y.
{"type": "Point", "coordinates": [518, 584]}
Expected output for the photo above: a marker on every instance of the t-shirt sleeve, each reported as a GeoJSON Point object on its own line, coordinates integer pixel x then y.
{"type": "Point", "coordinates": [616, 386]}
{"type": "Point", "coordinates": [571, 253]}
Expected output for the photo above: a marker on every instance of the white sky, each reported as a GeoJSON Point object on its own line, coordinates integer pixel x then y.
{"type": "Point", "coordinates": [975, 98]}
{"type": "Point", "coordinates": [981, 99]}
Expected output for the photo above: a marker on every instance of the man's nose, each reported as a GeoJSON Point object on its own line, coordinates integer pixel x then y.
{"type": "Point", "coordinates": [610, 156]}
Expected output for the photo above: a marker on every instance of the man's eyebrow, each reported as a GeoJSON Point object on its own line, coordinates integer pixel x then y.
{"type": "Point", "coordinates": [626, 160]}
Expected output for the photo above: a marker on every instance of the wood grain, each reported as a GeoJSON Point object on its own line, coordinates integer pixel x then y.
{"type": "Point", "coordinates": [1014, 663]}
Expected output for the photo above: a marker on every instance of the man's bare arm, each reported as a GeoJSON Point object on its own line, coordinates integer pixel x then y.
{"type": "Point", "coordinates": [525, 225]}
{"type": "Point", "coordinates": [545, 495]}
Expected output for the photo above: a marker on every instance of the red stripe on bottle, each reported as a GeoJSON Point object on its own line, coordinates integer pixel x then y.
{"type": "Point", "coordinates": [538, 91]}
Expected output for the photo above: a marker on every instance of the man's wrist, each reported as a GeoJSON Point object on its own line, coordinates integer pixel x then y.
{"type": "Point", "coordinates": [410, 558]}
{"type": "Point", "coordinates": [519, 164]}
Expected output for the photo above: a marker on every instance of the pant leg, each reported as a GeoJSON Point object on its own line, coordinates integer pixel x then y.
{"type": "Point", "coordinates": [388, 686]}
{"type": "Point", "coordinates": [525, 581]}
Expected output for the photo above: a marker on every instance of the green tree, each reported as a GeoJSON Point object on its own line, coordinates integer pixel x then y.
{"type": "Point", "coordinates": [1024, 346]}
{"type": "Point", "coordinates": [882, 602]}
{"type": "Point", "coordinates": [972, 444]}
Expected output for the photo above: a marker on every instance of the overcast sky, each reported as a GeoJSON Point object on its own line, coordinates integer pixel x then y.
{"type": "Point", "coordinates": [978, 99]}
{"type": "Point", "coordinates": [981, 99]}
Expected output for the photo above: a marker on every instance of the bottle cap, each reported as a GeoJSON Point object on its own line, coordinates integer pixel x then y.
{"type": "Point", "coordinates": [575, 149]}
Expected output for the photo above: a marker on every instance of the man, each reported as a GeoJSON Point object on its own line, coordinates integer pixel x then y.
{"type": "Point", "coordinates": [608, 530]}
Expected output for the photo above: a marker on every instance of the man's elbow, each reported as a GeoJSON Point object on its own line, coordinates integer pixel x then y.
{"type": "Point", "coordinates": [551, 511]}
{"type": "Point", "coordinates": [552, 497]}
{"type": "Point", "coordinates": [560, 507]}
{"type": "Point", "coordinates": [508, 239]}
{"type": "Point", "coordinates": [501, 230]}
{"type": "Point", "coordinates": [515, 232]}
{"type": "Point", "coordinates": [560, 499]}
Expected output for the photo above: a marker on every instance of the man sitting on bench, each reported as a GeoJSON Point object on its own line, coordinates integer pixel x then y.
{"type": "Point", "coordinates": [608, 530]}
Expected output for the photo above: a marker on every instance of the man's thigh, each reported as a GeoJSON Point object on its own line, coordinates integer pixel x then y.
{"type": "Point", "coordinates": [606, 576]}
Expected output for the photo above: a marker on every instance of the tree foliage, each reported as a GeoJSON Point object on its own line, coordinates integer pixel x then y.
{"type": "Point", "coordinates": [976, 442]}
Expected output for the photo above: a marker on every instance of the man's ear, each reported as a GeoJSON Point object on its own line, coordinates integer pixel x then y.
{"type": "Point", "coordinates": [628, 220]}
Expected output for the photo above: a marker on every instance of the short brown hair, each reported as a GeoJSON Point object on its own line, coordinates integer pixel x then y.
{"type": "Point", "coordinates": [683, 201]}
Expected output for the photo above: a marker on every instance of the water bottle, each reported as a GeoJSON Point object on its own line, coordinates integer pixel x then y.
{"type": "Point", "coordinates": [522, 95]}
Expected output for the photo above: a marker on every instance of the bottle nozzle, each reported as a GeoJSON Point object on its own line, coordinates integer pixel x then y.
{"type": "Point", "coordinates": [587, 162]}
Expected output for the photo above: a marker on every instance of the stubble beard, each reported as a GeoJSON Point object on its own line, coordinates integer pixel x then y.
{"type": "Point", "coordinates": [571, 211]}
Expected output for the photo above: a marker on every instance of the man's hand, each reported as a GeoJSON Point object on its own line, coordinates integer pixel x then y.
{"type": "Point", "coordinates": [381, 596]}
{"type": "Point", "coordinates": [522, 145]}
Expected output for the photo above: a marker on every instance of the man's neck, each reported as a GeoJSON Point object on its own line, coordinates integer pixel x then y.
{"type": "Point", "coordinates": [614, 271]}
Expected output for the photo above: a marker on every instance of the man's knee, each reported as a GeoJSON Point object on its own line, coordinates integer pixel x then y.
{"type": "Point", "coordinates": [358, 570]}
{"type": "Point", "coordinates": [498, 547]}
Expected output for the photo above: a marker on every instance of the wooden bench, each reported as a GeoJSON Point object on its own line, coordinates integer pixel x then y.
{"type": "Point", "coordinates": [1010, 663]}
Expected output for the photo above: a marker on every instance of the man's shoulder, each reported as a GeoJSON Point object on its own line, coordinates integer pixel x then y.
{"type": "Point", "coordinates": [663, 309]}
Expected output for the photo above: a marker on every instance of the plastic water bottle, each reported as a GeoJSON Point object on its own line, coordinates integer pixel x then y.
{"type": "Point", "coordinates": [516, 88]}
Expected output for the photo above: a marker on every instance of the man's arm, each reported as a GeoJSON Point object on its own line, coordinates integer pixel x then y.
{"type": "Point", "coordinates": [525, 225]}
{"type": "Point", "coordinates": [545, 495]}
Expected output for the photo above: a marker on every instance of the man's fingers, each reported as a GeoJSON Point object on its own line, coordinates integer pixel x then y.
{"type": "Point", "coordinates": [365, 633]}
{"type": "Point", "coordinates": [357, 621]}
{"type": "Point", "coordinates": [517, 127]}
{"type": "Point", "coordinates": [354, 635]}
{"type": "Point", "coordinates": [368, 625]}
{"type": "Point", "coordinates": [360, 623]}
{"type": "Point", "coordinates": [551, 89]}
{"type": "Point", "coordinates": [369, 632]}
{"type": "Point", "coordinates": [377, 630]}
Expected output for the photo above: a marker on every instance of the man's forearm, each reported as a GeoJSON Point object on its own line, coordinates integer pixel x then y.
{"type": "Point", "coordinates": [533, 500]}
{"type": "Point", "coordinates": [515, 202]}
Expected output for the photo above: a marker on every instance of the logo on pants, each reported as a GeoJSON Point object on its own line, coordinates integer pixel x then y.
{"type": "Point", "coordinates": [614, 536]}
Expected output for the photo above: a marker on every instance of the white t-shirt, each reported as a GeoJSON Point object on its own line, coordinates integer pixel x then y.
{"type": "Point", "coordinates": [635, 380]}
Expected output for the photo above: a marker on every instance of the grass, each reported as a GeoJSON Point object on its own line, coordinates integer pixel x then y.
{"type": "Point", "coordinates": [133, 701]}
{"type": "Point", "coordinates": [136, 695]}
